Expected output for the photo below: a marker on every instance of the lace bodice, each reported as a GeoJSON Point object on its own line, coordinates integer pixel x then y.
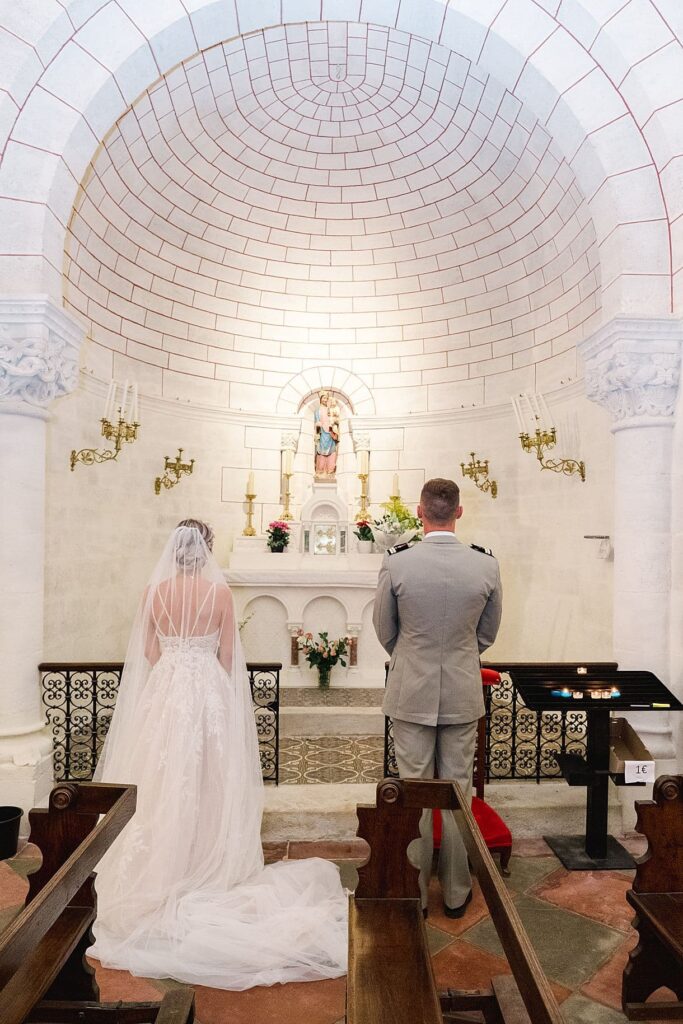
{"type": "Point", "coordinates": [207, 644]}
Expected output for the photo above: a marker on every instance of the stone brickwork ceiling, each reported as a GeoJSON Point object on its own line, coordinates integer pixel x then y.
{"type": "Point", "coordinates": [334, 192]}
{"type": "Point", "coordinates": [440, 198]}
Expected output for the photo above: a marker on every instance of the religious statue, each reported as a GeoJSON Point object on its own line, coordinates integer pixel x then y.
{"type": "Point", "coordinates": [326, 419]}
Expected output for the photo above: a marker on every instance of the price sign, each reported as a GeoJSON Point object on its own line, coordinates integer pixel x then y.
{"type": "Point", "coordinates": [639, 771]}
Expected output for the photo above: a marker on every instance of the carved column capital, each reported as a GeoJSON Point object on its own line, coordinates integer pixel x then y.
{"type": "Point", "coordinates": [289, 440]}
{"type": "Point", "coordinates": [632, 367]}
{"type": "Point", "coordinates": [361, 440]}
{"type": "Point", "coordinates": [39, 345]}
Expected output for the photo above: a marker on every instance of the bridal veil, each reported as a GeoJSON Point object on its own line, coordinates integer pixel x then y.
{"type": "Point", "coordinates": [183, 892]}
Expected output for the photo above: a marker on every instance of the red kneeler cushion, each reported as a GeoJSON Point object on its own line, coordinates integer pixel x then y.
{"type": "Point", "coordinates": [492, 827]}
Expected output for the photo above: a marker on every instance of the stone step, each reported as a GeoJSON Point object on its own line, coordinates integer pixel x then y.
{"type": "Point", "coordinates": [331, 721]}
{"type": "Point", "coordinates": [328, 811]}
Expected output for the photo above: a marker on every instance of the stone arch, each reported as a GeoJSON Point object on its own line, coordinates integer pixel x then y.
{"type": "Point", "coordinates": [317, 378]}
{"type": "Point", "coordinates": [61, 106]}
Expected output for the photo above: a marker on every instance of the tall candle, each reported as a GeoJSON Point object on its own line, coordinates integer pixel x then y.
{"type": "Point", "coordinates": [518, 415]}
{"type": "Point", "coordinates": [288, 456]}
{"type": "Point", "coordinates": [134, 405]}
{"type": "Point", "coordinates": [546, 412]}
{"type": "Point", "coordinates": [396, 490]}
{"type": "Point", "coordinates": [363, 462]}
{"type": "Point", "coordinates": [109, 401]}
{"type": "Point", "coordinates": [250, 484]}
{"type": "Point", "coordinates": [124, 399]}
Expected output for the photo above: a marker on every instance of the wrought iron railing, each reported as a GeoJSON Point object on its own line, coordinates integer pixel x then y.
{"type": "Point", "coordinates": [520, 743]}
{"type": "Point", "coordinates": [79, 700]}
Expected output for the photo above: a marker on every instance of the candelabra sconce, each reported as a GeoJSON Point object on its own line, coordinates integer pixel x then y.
{"type": "Point", "coordinates": [543, 440]}
{"type": "Point", "coordinates": [122, 432]}
{"type": "Point", "coordinates": [364, 510]}
{"type": "Point", "coordinates": [173, 470]}
{"type": "Point", "coordinates": [249, 530]}
{"type": "Point", "coordinates": [478, 472]}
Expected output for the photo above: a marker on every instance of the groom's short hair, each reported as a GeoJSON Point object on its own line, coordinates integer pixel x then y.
{"type": "Point", "coordinates": [439, 500]}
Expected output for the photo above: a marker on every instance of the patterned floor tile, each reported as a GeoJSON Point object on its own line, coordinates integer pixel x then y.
{"type": "Point", "coordinates": [331, 759]}
{"type": "Point", "coordinates": [579, 1010]}
{"type": "Point", "coordinates": [570, 948]}
{"type": "Point", "coordinates": [335, 697]}
{"type": "Point", "coordinates": [320, 1002]}
{"type": "Point", "coordinates": [605, 985]}
{"type": "Point", "coordinates": [13, 887]}
{"type": "Point", "coordinates": [600, 895]}
{"type": "Point", "coordinates": [526, 872]}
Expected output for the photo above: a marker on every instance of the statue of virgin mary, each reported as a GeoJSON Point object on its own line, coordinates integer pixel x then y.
{"type": "Point", "coordinates": [326, 421]}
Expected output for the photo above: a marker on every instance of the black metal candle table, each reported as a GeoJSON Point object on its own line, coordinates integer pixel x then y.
{"type": "Point", "coordinates": [637, 691]}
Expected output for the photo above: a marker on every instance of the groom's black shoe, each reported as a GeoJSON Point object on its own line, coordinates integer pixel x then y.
{"type": "Point", "coordinates": [458, 911]}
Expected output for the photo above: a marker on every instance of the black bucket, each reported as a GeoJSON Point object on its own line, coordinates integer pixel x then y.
{"type": "Point", "coordinates": [10, 819]}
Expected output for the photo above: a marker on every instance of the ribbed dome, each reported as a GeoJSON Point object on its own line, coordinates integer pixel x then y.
{"type": "Point", "coordinates": [339, 194]}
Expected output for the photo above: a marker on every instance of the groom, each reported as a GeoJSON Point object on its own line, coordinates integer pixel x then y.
{"type": "Point", "coordinates": [438, 606]}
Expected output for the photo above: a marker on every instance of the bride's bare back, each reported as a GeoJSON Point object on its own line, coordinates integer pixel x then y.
{"type": "Point", "coordinates": [187, 605]}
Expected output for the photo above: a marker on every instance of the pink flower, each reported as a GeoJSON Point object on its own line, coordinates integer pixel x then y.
{"type": "Point", "coordinates": [299, 632]}
{"type": "Point", "coordinates": [309, 636]}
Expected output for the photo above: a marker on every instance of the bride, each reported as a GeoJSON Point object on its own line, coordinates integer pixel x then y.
{"type": "Point", "coordinates": [183, 891]}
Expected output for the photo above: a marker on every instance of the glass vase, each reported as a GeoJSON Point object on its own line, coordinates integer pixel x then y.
{"type": "Point", "coordinates": [324, 673]}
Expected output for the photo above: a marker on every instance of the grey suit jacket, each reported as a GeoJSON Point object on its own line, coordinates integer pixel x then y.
{"type": "Point", "coordinates": [437, 607]}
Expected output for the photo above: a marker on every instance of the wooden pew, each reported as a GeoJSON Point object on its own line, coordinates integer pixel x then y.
{"type": "Point", "coordinates": [44, 977]}
{"type": "Point", "coordinates": [390, 977]}
{"type": "Point", "coordinates": [657, 898]}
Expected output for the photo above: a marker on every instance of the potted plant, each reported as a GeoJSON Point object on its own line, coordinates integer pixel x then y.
{"type": "Point", "coordinates": [365, 538]}
{"type": "Point", "coordinates": [397, 526]}
{"type": "Point", "coordinates": [323, 653]}
{"type": "Point", "coordinates": [278, 536]}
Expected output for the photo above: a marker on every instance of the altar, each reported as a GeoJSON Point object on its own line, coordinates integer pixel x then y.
{"type": "Point", "coordinates": [320, 583]}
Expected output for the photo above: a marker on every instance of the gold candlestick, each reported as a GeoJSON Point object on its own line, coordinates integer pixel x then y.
{"type": "Point", "coordinates": [286, 496]}
{"type": "Point", "coordinates": [249, 530]}
{"type": "Point", "coordinates": [364, 510]}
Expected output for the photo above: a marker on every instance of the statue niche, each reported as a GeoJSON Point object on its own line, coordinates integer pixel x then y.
{"type": "Point", "coordinates": [326, 424]}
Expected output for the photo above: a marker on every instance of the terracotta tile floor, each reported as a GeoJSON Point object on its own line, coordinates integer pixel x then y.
{"type": "Point", "coordinates": [578, 921]}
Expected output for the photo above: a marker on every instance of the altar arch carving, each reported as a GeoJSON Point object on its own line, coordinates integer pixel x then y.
{"type": "Point", "coordinates": [298, 389]}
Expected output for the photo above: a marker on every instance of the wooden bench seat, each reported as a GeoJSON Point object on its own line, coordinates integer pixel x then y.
{"type": "Point", "coordinates": [44, 976]}
{"type": "Point", "coordinates": [390, 977]}
{"type": "Point", "coordinates": [657, 898]}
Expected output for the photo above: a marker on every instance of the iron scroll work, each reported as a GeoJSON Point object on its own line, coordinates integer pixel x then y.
{"type": "Point", "coordinates": [79, 700]}
{"type": "Point", "coordinates": [520, 743]}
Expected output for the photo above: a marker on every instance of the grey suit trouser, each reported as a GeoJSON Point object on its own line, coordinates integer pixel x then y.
{"type": "Point", "coordinates": [419, 748]}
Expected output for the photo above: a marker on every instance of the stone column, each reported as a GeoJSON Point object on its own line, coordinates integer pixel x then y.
{"type": "Point", "coordinates": [632, 369]}
{"type": "Point", "coordinates": [39, 346]}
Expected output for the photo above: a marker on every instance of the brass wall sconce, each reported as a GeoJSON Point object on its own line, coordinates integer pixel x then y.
{"type": "Point", "coordinates": [121, 431]}
{"type": "Point", "coordinates": [534, 408]}
{"type": "Point", "coordinates": [173, 470]}
{"type": "Point", "coordinates": [546, 439]}
{"type": "Point", "coordinates": [475, 469]}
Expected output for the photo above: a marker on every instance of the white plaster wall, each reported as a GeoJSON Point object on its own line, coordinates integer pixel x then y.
{"type": "Point", "coordinates": [107, 526]}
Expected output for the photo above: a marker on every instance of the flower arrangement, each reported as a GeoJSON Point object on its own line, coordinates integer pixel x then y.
{"type": "Point", "coordinates": [363, 530]}
{"type": "Point", "coordinates": [397, 526]}
{"type": "Point", "coordinates": [322, 653]}
{"type": "Point", "coordinates": [278, 535]}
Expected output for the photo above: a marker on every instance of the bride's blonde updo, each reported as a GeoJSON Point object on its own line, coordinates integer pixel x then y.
{"type": "Point", "coordinates": [189, 553]}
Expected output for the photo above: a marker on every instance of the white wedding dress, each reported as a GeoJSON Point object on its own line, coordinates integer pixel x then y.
{"type": "Point", "coordinates": [183, 891]}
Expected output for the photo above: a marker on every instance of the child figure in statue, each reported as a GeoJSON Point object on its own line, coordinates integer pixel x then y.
{"type": "Point", "coordinates": [326, 420]}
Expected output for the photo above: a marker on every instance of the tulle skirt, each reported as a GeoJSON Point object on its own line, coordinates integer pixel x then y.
{"type": "Point", "coordinates": [183, 892]}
